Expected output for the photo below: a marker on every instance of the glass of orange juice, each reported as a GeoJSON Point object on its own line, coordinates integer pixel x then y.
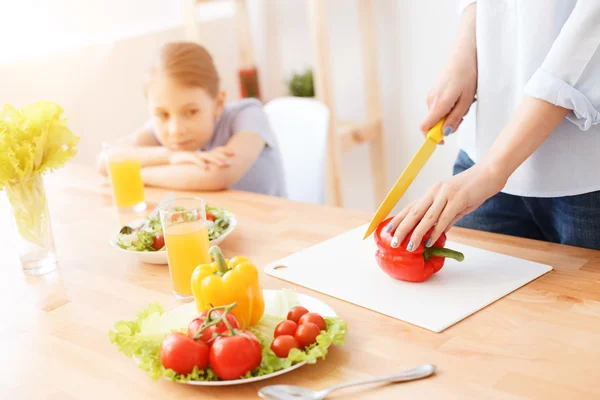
{"type": "Point", "coordinates": [185, 230]}
{"type": "Point", "coordinates": [125, 172]}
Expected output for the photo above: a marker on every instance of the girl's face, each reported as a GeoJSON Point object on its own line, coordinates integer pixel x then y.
{"type": "Point", "coordinates": [184, 117]}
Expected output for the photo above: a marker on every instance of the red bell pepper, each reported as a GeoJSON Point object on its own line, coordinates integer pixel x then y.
{"type": "Point", "coordinates": [412, 266]}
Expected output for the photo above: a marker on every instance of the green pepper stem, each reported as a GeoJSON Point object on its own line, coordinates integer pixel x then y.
{"type": "Point", "coordinates": [442, 252]}
{"type": "Point", "coordinates": [217, 255]}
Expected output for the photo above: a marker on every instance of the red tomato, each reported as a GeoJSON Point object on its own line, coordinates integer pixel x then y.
{"type": "Point", "coordinates": [282, 345]}
{"type": "Point", "coordinates": [315, 319]}
{"type": "Point", "coordinates": [207, 334]}
{"type": "Point", "coordinates": [306, 334]}
{"type": "Point", "coordinates": [181, 353]}
{"type": "Point", "coordinates": [210, 216]}
{"type": "Point", "coordinates": [231, 357]}
{"type": "Point", "coordinates": [285, 327]}
{"type": "Point", "coordinates": [159, 242]}
{"type": "Point", "coordinates": [295, 313]}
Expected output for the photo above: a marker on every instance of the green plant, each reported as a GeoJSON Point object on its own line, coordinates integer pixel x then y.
{"type": "Point", "coordinates": [301, 84]}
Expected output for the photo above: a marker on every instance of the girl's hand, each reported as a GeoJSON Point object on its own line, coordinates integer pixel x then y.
{"type": "Point", "coordinates": [219, 156]}
{"type": "Point", "coordinates": [444, 203]}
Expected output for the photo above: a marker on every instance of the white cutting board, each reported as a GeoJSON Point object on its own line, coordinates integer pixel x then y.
{"type": "Point", "coordinates": [344, 267]}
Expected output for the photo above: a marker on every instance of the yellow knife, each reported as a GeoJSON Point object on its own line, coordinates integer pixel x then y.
{"type": "Point", "coordinates": [434, 137]}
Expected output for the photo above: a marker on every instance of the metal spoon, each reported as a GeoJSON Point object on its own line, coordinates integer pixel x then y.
{"type": "Point", "coordinates": [289, 392]}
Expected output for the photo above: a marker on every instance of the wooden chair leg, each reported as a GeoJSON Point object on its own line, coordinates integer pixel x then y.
{"type": "Point", "coordinates": [373, 97]}
{"type": "Point", "coordinates": [323, 92]}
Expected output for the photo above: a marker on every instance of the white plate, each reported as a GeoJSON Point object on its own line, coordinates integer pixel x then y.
{"type": "Point", "coordinates": [311, 303]}
{"type": "Point", "coordinates": [160, 257]}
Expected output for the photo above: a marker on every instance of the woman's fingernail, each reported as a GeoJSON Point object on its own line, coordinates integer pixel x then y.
{"type": "Point", "coordinates": [388, 228]}
{"type": "Point", "coordinates": [447, 130]}
{"type": "Point", "coordinates": [428, 242]}
{"type": "Point", "coordinates": [410, 246]}
{"type": "Point", "coordinates": [394, 242]}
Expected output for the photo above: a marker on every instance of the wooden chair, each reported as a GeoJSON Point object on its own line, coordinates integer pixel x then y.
{"type": "Point", "coordinates": [346, 135]}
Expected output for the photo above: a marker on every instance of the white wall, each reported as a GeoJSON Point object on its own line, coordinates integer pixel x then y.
{"type": "Point", "coordinates": [413, 40]}
{"type": "Point", "coordinates": [100, 85]}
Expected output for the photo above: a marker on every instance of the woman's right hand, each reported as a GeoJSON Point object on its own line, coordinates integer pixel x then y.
{"type": "Point", "coordinates": [455, 89]}
{"type": "Point", "coordinates": [452, 95]}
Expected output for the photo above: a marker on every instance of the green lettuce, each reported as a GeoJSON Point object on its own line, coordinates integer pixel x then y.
{"type": "Point", "coordinates": [140, 339]}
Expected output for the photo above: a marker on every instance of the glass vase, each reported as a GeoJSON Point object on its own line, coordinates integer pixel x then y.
{"type": "Point", "coordinates": [35, 241]}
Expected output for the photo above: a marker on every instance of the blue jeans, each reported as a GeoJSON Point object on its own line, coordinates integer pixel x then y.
{"type": "Point", "coordinates": [572, 220]}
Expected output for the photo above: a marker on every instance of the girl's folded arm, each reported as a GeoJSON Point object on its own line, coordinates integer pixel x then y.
{"type": "Point", "coordinates": [247, 147]}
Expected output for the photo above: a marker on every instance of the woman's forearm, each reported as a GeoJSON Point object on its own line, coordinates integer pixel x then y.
{"type": "Point", "coordinates": [465, 40]}
{"type": "Point", "coordinates": [532, 123]}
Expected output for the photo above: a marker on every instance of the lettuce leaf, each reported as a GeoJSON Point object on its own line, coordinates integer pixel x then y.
{"type": "Point", "coordinates": [140, 339]}
{"type": "Point", "coordinates": [33, 140]}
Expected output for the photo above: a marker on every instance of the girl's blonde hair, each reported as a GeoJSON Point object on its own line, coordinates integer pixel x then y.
{"type": "Point", "coordinates": [188, 63]}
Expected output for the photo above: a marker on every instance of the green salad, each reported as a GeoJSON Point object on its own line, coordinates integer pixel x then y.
{"type": "Point", "coordinates": [149, 237]}
{"type": "Point", "coordinates": [142, 337]}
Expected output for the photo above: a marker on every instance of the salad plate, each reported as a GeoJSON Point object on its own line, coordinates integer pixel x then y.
{"type": "Point", "coordinates": [154, 324]}
{"type": "Point", "coordinates": [311, 303]}
{"type": "Point", "coordinates": [146, 241]}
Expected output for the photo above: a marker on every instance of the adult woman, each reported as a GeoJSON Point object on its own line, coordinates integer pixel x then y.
{"type": "Point", "coordinates": [531, 168]}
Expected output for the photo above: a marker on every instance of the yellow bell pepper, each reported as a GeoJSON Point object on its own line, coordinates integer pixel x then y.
{"type": "Point", "coordinates": [223, 282]}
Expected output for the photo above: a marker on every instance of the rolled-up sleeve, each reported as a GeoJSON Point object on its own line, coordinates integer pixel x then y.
{"type": "Point", "coordinates": [569, 77]}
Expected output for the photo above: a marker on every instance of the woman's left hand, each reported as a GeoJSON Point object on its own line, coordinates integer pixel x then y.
{"type": "Point", "coordinates": [444, 203]}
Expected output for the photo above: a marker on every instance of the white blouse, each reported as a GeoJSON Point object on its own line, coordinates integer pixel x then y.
{"type": "Point", "coordinates": [548, 49]}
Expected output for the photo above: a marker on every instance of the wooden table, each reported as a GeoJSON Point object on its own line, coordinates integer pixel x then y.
{"type": "Point", "coordinates": [542, 341]}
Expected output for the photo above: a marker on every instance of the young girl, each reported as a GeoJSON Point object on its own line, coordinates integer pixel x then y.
{"type": "Point", "coordinates": [194, 141]}
{"type": "Point", "coordinates": [531, 167]}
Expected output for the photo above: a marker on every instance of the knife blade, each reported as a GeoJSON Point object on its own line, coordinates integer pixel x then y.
{"type": "Point", "coordinates": [434, 137]}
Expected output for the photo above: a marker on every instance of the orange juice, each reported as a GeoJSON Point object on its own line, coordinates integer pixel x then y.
{"type": "Point", "coordinates": [126, 177]}
{"type": "Point", "coordinates": [187, 247]}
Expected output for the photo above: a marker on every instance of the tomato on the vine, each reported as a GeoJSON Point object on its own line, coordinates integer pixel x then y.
{"type": "Point", "coordinates": [219, 328]}
{"type": "Point", "coordinates": [181, 353]}
{"type": "Point", "coordinates": [233, 356]}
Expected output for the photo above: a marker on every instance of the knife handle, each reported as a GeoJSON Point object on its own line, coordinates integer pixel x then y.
{"type": "Point", "coordinates": [436, 134]}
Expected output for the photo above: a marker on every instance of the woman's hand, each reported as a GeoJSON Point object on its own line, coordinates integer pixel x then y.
{"type": "Point", "coordinates": [455, 89]}
{"type": "Point", "coordinates": [219, 156]}
{"type": "Point", "coordinates": [444, 203]}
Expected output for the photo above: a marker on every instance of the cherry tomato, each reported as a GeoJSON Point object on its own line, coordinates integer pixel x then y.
{"type": "Point", "coordinates": [295, 313]}
{"type": "Point", "coordinates": [159, 242]}
{"type": "Point", "coordinates": [181, 353]}
{"type": "Point", "coordinates": [231, 357]}
{"type": "Point", "coordinates": [315, 319]}
{"type": "Point", "coordinates": [285, 327]}
{"type": "Point", "coordinates": [282, 345]}
{"type": "Point", "coordinates": [207, 334]}
{"type": "Point", "coordinates": [306, 334]}
{"type": "Point", "coordinates": [210, 216]}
